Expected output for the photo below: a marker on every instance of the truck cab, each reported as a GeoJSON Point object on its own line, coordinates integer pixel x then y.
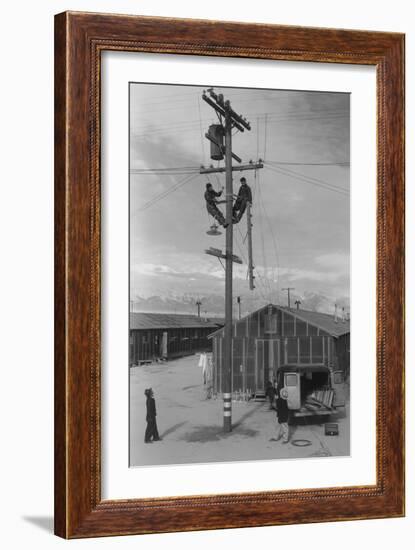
{"type": "Point", "coordinates": [312, 389]}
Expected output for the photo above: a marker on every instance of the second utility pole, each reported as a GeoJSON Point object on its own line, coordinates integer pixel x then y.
{"type": "Point", "coordinates": [227, 390]}
{"type": "Point", "coordinates": [289, 289]}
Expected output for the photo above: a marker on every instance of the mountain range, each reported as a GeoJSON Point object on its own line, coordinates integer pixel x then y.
{"type": "Point", "coordinates": [214, 304]}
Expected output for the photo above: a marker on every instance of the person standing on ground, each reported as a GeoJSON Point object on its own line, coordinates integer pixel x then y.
{"type": "Point", "coordinates": [202, 365]}
{"type": "Point", "coordinates": [282, 417]}
{"type": "Point", "coordinates": [152, 433]}
{"type": "Point", "coordinates": [209, 376]}
{"type": "Point", "coordinates": [270, 392]}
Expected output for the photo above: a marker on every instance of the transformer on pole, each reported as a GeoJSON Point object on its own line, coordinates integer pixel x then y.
{"type": "Point", "coordinates": [216, 135]}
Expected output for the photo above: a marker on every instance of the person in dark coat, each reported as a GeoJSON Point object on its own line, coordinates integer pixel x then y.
{"type": "Point", "coordinates": [211, 204]}
{"type": "Point", "coordinates": [270, 392]}
{"type": "Point", "coordinates": [244, 196]}
{"type": "Point", "coordinates": [282, 416]}
{"type": "Point", "coordinates": [152, 433]}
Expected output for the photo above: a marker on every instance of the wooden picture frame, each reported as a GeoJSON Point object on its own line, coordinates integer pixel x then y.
{"type": "Point", "coordinates": [79, 40]}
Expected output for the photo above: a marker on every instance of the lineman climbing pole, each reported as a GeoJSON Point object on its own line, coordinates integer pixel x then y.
{"type": "Point", "coordinates": [229, 119]}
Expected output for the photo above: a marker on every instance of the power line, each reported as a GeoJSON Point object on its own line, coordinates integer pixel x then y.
{"type": "Point", "coordinates": [291, 171]}
{"type": "Point", "coordinates": [271, 118]}
{"type": "Point", "coordinates": [276, 269]}
{"type": "Point", "coordinates": [315, 180]}
{"type": "Point", "coordinates": [184, 97]}
{"type": "Point", "coordinates": [261, 279]}
{"type": "Point", "coordinates": [169, 97]}
{"type": "Point", "coordinates": [305, 179]}
{"type": "Point", "coordinates": [156, 172]}
{"type": "Point", "coordinates": [161, 169]}
{"type": "Point", "coordinates": [256, 193]}
{"type": "Point", "coordinates": [323, 116]}
{"type": "Point", "coordinates": [260, 196]}
{"type": "Point", "coordinates": [278, 162]}
{"type": "Point", "coordinates": [161, 100]}
{"type": "Point", "coordinates": [277, 114]}
{"type": "Point", "coordinates": [167, 192]}
{"type": "Point", "coordinates": [274, 240]}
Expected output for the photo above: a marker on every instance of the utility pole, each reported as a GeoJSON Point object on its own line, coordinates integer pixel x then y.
{"type": "Point", "coordinates": [288, 289]}
{"type": "Point", "coordinates": [198, 303]}
{"type": "Point", "coordinates": [227, 396]}
{"type": "Point", "coordinates": [229, 120]}
{"type": "Point", "coordinates": [250, 260]}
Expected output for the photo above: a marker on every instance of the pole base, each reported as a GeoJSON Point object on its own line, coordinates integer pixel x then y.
{"type": "Point", "coordinates": [227, 424]}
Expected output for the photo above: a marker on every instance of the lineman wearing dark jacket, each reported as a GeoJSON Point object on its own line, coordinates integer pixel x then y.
{"type": "Point", "coordinates": [152, 433]}
{"type": "Point", "coordinates": [244, 196]}
{"type": "Point", "coordinates": [211, 202]}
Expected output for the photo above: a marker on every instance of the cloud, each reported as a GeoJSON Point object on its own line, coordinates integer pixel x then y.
{"type": "Point", "coordinates": [190, 267]}
{"type": "Point", "coordinates": [335, 261]}
{"type": "Point", "coordinates": [295, 274]}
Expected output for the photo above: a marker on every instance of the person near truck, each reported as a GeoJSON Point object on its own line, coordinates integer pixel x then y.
{"type": "Point", "coordinates": [270, 392]}
{"type": "Point", "coordinates": [282, 416]}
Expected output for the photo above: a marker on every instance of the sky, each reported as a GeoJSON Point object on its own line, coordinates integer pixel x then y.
{"type": "Point", "coordinates": [301, 201]}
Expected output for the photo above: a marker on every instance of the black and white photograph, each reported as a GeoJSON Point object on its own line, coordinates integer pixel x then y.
{"type": "Point", "coordinates": [239, 269]}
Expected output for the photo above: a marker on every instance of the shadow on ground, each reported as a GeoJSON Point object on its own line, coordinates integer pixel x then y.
{"type": "Point", "coordinates": [172, 429]}
{"type": "Point", "coordinates": [191, 387]}
{"type": "Point", "coordinates": [43, 522]}
{"type": "Point", "coordinates": [247, 415]}
{"type": "Point", "coordinates": [207, 434]}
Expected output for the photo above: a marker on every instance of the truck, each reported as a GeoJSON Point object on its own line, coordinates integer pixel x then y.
{"type": "Point", "coordinates": [312, 390]}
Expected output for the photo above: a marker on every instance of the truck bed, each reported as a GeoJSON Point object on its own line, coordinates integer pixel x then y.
{"type": "Point", "coordinates": [318, 412]}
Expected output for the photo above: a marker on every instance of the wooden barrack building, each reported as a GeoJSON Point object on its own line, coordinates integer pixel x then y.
{"type": "Point", "coordinates": [166, 336]}
{"type": "Point", "coordinates": [275, 337]}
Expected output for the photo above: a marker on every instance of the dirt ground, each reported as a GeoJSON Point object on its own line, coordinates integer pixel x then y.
{"type": "Point", "coordinates": [191, 425]}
